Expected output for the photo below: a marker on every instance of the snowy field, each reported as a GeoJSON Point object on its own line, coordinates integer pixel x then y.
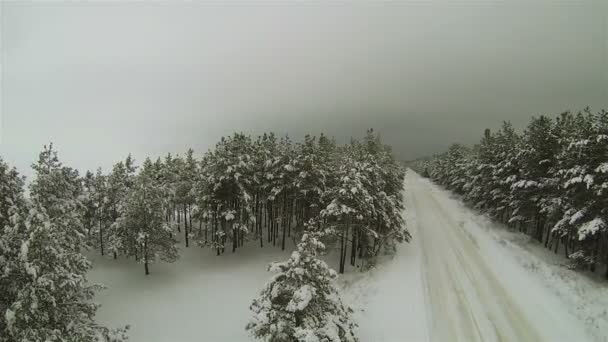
{"type": "Point", "coordinates": [459, 280]}
{"type": "Point", "coordinates": [203, 297]}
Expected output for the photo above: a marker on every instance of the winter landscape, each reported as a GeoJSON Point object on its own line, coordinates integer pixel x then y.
{"type": "Point", "coordinates": [304, 171]}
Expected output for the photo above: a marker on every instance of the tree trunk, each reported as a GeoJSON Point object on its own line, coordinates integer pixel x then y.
{"type": "Point", "coordinates": [223, 235]}
{"type": "Point", "coordinates": [234, 237]}
{"type": "Point", "coordinates": [284, 221]}
{"type": "Point", "coordinates": [207, 227]}
{"type": "Point", "coordinates": [258, 220]}
{"type": "Point", "coordinates": [214, 236]}
{"type": "Point", "coordinates": [353, 247]}
{"type": "Point", "coordinates": [341, 266]}
{"type": "Point", "coordinates": [557, 240]}
{"type": "Point", "coordinates": [186, 226]}
{"type": "Point", "coordinates": [566, 243]}
{"type": "Point", "coordinates": [343, 246]}
{"type": "Point", "coordinates": [101, 237]}
{"type": "Point", "coordinates": [146, 255]}
{"type": "Point", "coordinates": [179, 229]}
{"type": "Point", "coordinates": [267, 222]}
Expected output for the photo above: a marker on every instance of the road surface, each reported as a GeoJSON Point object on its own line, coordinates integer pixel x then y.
{"type": "Point", "coordinates": [470, 294]}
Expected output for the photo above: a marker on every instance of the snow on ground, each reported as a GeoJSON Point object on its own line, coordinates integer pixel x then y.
{"type": "Point", "coordinates": [201, 297]}
{"type": "Point", "coordinates": [583, 295]}
{"type": "Point", "coordinates": [462, 278]}
{"type": "Point", "coordinates": [484, 285]}
{"type": "Point", "coordinates": [389, 300]}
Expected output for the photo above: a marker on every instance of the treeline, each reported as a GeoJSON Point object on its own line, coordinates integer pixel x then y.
{"type": "Point", "coordinates": [551, 181]}
{"type": "Point", "coordinates": [261, 190]}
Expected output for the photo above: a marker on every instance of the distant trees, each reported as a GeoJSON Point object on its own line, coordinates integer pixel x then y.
{"type": "Point", "coordinates": [269, 189]}
{"type": "Point", "coordinates": [549, 182]}
{"type": "Point", "coordinates": [302, 302]}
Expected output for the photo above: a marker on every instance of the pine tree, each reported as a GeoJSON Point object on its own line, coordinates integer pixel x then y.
{"type": "Point", "coordinates": [12, 208]}
{"type": "Point", "coordinates": [149, 236]}
{"type": "Point", "coordinates": [116, 193]}
{"type": "Point", "coordinates": [302, 302]}
{"type": "Point", "coordinates": [88, 202]}
{"type": "Point", "coordinates": [186, 174]}
{"type": "Point", "coordinates": [44, 272]}
{"type": "Point", "coordinates": [102, 210]}
{"type": "Point", "coordinates": [54, 301]}
{"type": "Point", "coordinates": [550, 182]}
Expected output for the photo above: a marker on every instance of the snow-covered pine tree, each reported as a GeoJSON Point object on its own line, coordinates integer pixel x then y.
{"type": "Point", "coordinates": [385, 185]}
{"type": "Point", "coordinates": [117, 191]}
{"type": "Point", "coordinates": [184, 196]}
{"type": "Point", "coordinates": [101, 216]}
{"type": "Point", "coordinates": [350, 210]}
{"type": "Point", "coordinates": [54, 300]}
{"type": "Point", "coordinates": [550, 182]}
{"type": "Point", "coordinates": [314, 169]}
{"type": "Point", "coordinates": [504, 171]}
{"type": "Point", "coordinates": [302, 302]}
{"type": "Point", "coordinates": [170, 183]}
{"type": "Point", "coordinates": [286, 190]}
{"type": "Point", "coordinates": [365, 200]}
{"type": "Point", "coordinates": [144, 219]}
{"type": "Point", "coordinates": [58, 190]}
{"type": "Point", "coordinates": [42, 265]}
{"type": "Point", "coordinates": [12, 208]}
{"type": "Point", "coordinates": [88, 185]}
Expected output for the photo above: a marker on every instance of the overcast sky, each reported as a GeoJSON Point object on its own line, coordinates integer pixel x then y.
{"type": "Point", "coordinates": [104, 79]}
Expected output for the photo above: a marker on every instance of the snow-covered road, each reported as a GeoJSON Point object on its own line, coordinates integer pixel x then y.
{"type": "Point", "coordinates": [475, 291]}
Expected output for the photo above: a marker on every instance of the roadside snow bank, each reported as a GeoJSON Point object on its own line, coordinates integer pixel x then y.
{"type": "Point", "coordinates": [389, 300]}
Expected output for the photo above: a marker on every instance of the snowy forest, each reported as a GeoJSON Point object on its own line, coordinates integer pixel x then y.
{"type": "Point", "coordinates": [313, 195]}
{"type": "Point", "coordinates": [549, 181]}
{"type": "Point", "coordinates": [304, 171]}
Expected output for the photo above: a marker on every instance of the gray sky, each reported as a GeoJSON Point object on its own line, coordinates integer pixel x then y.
{"type": "Point", "coordinates": [104, 79]}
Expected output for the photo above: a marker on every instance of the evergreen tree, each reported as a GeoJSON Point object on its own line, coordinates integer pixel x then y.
{"type": "Point", "coordinates": [102, 209]}
{"type": "Point", "coordinates": [302, 302]}
{"type": "Point", "coordinates": [45, 293]}
{"type": "Point", "coordinates": [54, 300]}
{"type": "Point", "coordinates": [12, 208]}
{"type": "Point", "coordinates": [149, 236]}
{"type": "Point", "coordinates": [186, 174]}
{"type": "Point", "coordinates": [550, 182]}
{"type": "Point", "coordinates": [88, 201]}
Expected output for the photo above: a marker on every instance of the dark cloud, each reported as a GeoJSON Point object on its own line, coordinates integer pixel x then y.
{"type": "Point", "coordinates": [105, 79]}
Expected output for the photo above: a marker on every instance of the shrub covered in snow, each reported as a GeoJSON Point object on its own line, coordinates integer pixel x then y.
{"type": "Point", "coordinates": [301, 302]}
